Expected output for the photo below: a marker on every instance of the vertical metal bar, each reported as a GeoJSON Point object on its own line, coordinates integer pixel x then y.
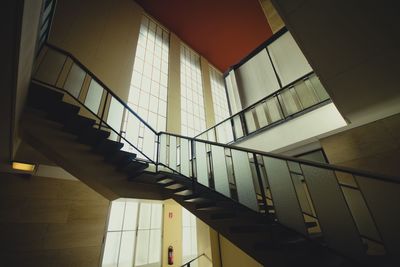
{"type": "Point", "coordinates": [259, 178]}
{"type": "Point", "coordinates": [104, 109]}
{"type": "Point", "coordinates": [280, 106]}
{"type": "Point", "coordinates": [243, 123]}
{"type": "Point", "coordinates": [233, 128]}
{"type": "Point", "coordinates": [158, 151]}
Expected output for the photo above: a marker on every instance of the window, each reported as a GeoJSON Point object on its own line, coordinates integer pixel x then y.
{"type": "Point", "coordinates": [221, 109]}
{"type": "Point", "coordinates": [133, 234]}
{"type": "Point", "coordinates": [189, 236]}
{"type": "Point", "coordinates": [149, 84]}
{"type": "Point", "coordinates": [193, 119]}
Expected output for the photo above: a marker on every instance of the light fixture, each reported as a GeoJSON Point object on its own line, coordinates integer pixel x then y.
{"type": "Point", "coordinates": [20, 166]}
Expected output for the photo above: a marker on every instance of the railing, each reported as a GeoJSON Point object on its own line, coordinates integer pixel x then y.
{"type": "Point", "coordinates": [193, 263]}
{"type": "Point", "coordinates": [301, 96]}
{"type": "Point", "coordinates": [45, 22]}
{"type": "Point", "coordinates": [348, 208]}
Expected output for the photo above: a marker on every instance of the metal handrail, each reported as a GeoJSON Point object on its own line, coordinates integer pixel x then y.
{"type": "Point", "coordinates": [284, 118]}
{"type": "Point", "coordinates": [187, 264]}
{"type": "Point", "coordinates": [193, 156]}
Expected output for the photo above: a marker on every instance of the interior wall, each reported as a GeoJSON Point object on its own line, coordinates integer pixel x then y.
{"type": "Point", "coordinates": [172, 232]}
{"type": "Point", "coordinates": [27, 52]}
{"type": "Point", "coordinates": [232, 256]}
{"type": "Point", "coordinates": [353, 47]}
{"type": "Point", "coordinates": [11, 16]}
{"type": "Point", "coordinates": [50, 222]}
{"type": "Point", "coordinates": [373, 147]}
{"type": "Point", "coordinates": [103, 35]}
{"type": "Point", "coordinates": [204, 244]}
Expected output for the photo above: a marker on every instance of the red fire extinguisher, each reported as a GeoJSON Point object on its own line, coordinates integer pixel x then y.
{"type": "Point", "coordinates": [170, 255]}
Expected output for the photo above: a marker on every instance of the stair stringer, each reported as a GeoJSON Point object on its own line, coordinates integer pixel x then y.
{"type": "Point", "coordinates": [62, 148]}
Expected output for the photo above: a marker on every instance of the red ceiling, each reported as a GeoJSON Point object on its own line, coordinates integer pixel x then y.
{"type": "Point", "coordinates": [223, 31]}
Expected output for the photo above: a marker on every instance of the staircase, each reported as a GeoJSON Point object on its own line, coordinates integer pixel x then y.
{"type": "Point", "coordinates": [281, 211]}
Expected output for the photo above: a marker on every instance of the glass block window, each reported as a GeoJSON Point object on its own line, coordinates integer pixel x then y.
{"type": "Point", "coordinates": [189, 236]}
{"type": "Point", "coordinates": [220, 101]}
{"type": "Point", "coordinates": [193, 119]}
{"type": "Point", "coordinates": [149, 83]}
{"type": "Point", "coordinates": [134, 234]}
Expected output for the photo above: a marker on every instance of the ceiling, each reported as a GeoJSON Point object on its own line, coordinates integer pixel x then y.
{"type": "Point", "coordinates": [222, 31]}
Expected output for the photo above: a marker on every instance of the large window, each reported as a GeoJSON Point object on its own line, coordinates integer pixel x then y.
{"type": "Point", "coordinates": [149, 83]}
{"type": "Point", "coordinates": [133, 234]}
{"type": "Point", "coordinates": [220, 101]}
{"type": "Point", "coordinates": [193, 119]}
{"type": "Point", "coordinates": [189, 236]}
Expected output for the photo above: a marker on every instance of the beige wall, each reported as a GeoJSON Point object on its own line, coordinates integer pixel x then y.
{"type": "Point", "coordinates": [174, 86]}
{"type": "Point", "coordinates": [232, 256]}
{"type": "Point", "coordinates": [172, 232]}
{"type": "Point", "coordinates": [274, 20]}
{"type": "Point", "coordinates": [374, 147]}
{"type": "Point", "coordinates": [204, 244]}
{"type": "Point", "coordinates": [103, 35]}
{"type": "Point", "coordinates": [207, 93]}
{"type": "Point", "coordinates": [50, 222]}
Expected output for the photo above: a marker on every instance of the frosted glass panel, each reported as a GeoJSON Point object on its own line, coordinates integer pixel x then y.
{"type": "Point", "coordinates": [111, 249]}
{"type": "Point", "coordinates": [50, 67]}
{"type": "Point", "coordinates": [284, 195]}
{"type": "Point", "coordinates": [116, 215]}
{"type": "Point", "coordinates": [250, 122]}
{"type": "Point", "coordinates": [155, 246]}
{"type": "Point", "coordinates": [144, 215]}
{"type": "Point", "coordinates": [289, 61]}
{"type": "Point", "coordinates": [338, 227]}
{"type": "Point", "coordinates": [274, 112]}
{"type": "Point", "coordinates": [319, 89]}
{"type": "Point", "coordinates": [130, 220]}
{"type": "Point", "coordinates": [115, 112]}
{"type": "Point", "coordinates": [156, 216]}
{"type": "Point", "coordinates": [172, 152]}
{"type": "Point", "coordinates": [201, 163]}
{"type": "Point", "coordinates": [185, 163]}
{"type": "Point", "coordinates": [163, 149]}
{"type": "Point", "coordinates": [74, 81]}
{"type": "Point", "coordinates": [148, 143]}
{"type": "Point", "coordinates": [238, 127]}
{"type": "Point", "coordinates": [127, 250]}
{"type": "Point", "coordinates": [261, 116]}
{"type": "Point", "coordinates": [93, 97]}
{"type": "Point", "coordinates": [256, 79]}
{"type": "Point", "coordinates": [306, 94]}
{"type": "Point", "coordinates": [142, 248]}
{"type": "Point", "coordinates": [220, 171]}
{"type": "Point", "coordinates": [244, 179]}
{"type": "Point", "coordinates": [290, 102]}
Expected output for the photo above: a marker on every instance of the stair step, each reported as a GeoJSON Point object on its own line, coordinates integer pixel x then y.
{"type": "Point", "coordinates": [92, 136]}
{"type": "Point", "coordinates": [184, 191]}
{"type": "Point", "coordinates": [120, 158]}
{"type": "Point", "coordinates": [164, 180]}
{"type": "Point", "coordinates": [39, 96]}
{"type": "Point", "coordinates": [134, 168]}
{"type": "Point", "coordinates": [62, 111]}
{"type": "Point", "coordinates": [174, 186]}
{"type": "Point", "coordinates": [108, 146]}
{"type": "Point", "coordinates": [76, 124]}
{"type": "Point", "coordinates": [311, 224]}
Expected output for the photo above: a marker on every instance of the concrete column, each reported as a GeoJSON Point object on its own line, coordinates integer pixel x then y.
{"type": "Point", "coordinates": [274, 20]}
{"type": "Point", "coordinates": [174, 86]}
{"type": "Point", "coordinates": [208, 102]}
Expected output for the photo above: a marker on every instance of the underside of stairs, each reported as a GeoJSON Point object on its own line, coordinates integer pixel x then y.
{"type": "Point", "coordinates": [74, 142]}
